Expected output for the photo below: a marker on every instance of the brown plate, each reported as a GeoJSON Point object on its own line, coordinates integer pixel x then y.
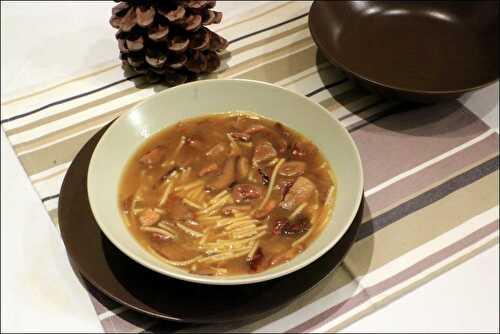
{"type": "Point", "coordinates": [422, 51]}
{"type": "Point", "coordinates": [132, 284]}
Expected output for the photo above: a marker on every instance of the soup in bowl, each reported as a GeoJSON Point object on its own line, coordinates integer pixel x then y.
{"type": "Point", "coordinates": [230, 191]}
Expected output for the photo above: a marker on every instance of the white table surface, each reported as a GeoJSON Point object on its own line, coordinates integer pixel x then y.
{"type": "Point", "coordinates": [44, 42]}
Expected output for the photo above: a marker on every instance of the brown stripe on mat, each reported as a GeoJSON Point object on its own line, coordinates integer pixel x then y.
{"type": "Point", "coordinates": [415, 285]}
{"type": "Point", "coordinates": [406, 139]}
{"type": "Point", "coordinates": [412, 184]}
{"type": "Point", "coordinates": [322, 291]}
{"type": "Point", "coordinates": [295, 18]}
{"type": "Point", "coordinates": [236, 51]}
{"type": "Point", "coordinates": [66, 132]}
{"type": "Point", "coordinates": [428, 262]}
{"type": "Point", "coordinates": [55, 103]}
{"type": "Point", "coordinates": [277, 63]}
{"type": "Point", "coordinates": [139, 81]}
{"type": "Point", "coordinates": [63, 171]}
{"type": "Point", "coordinates": [427, 198]}
{"type": "Point", "coordinates": [66, 149]}
{"type": "Point", "coordinates": [329, 284]}
{"type": "Point", "coordinates": [61, 84]}
{"type": "Point", "coordinates": [344, 98]}
{"type": "Point", "coordinates": [280, 68]}
{"type": "Point", "coordinates": [259, 60]}
{"type": "Point", "coordinates": [268, 40]}
{"type": "Point", "coordinates": [74, 111]}
{"type": "Point", "coordinates": [259, 15]}
{"type": "Point", "coordinates": [105, 69]}
{"type": "Point", "coordinates": [35, 155]}
{"type": "Point", "coordinates": [132, 322]}
{"type": "Point", "coordinates": [370, 213]}
{"type": "Point", "coordinates": [32, 167]}
{"type": "Point", "coordinates": [56, 154]}
{"type": "Point", "coordinates": [319, 67]}
{"type": "Point", "coordinates": [422, 226]}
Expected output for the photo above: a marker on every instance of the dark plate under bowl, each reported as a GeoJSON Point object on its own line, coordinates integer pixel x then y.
{"type": "Point", "coordinates": [421, 51]}
{"type": "Point", "coordinates": [149, 292]}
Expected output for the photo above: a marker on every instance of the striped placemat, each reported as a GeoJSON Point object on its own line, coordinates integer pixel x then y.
{"type": "Point", "coordinates": [431, 172]}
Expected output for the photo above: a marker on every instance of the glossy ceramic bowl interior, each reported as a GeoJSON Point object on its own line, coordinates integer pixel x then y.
{"type": "Point", "coordinates": [127, 133]}
{"type": "Point", "coordinates": [423, 51]}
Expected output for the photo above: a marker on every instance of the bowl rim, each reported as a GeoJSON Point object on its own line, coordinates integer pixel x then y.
{"type": "Point", "coordinates": [346, 68]}
{"type": "Point", "coordinates": [227, 280]}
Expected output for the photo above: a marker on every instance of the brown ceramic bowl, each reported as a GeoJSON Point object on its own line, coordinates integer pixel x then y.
{"type": "Point", "coordinates": [421, 51]}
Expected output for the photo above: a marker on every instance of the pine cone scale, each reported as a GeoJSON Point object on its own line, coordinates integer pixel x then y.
{"type": "Point", "coordinates": [168, 40]}
{"type": "Point", "coordinates": [145, 16]}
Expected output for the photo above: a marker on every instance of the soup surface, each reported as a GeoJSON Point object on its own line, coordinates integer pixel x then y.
{"type": "Point", "coordinates": [227, 194]}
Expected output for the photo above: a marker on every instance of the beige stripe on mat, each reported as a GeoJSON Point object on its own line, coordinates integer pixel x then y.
{"type": "Point", "coordinates": [261, 16]}
{"type": "Point", "coordinates": [395, 144]}
{"type": "Point", "coordinates": [423, 225]}
{"type": "Point", "coordinates": [481, 239]}
{"type": "Point", "coordinates": [402, 162]}
{"type": "Point", "coordinates": [59, 137]}
{"type": "Point", "coordinates": [453, 202]}
{"type": "Point", "coordinates": [21, 145]}
{"type": "Point", "coordinates": [110, 94]}
{"type": "Point", "coordinates": [444, 269]}
{"type": "Point", "coordinates": [117, 74]}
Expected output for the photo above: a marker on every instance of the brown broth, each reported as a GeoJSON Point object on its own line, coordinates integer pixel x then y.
{"type": "Point", "coordinates": [161, 187]}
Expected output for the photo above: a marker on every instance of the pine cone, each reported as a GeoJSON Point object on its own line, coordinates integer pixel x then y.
{"type": "Point", "coordinates": [168, 40]}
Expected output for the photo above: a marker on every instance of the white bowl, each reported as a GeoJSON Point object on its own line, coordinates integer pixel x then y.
{"type": "Point", "coordinates": [130, 130]}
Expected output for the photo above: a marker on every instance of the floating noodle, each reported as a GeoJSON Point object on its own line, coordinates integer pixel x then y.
{"type": "Point", "coordinates": [297, 211]}
{"type": "Point", "coordinates": [157, 230]}
{"type": "Point", "coordinates": [272, 162]}
{"type": "Point", "coordinates": [240, 223]}
{"type": "Point", "coordinates": [190, 231]}
{"type": "Point", "coordinates": [167, 191]}
{"type": "Point", "coordinates": [179, 147]}
{"type": "Point", "coordinates": [192, 204]}
{"type": "Point", "coordinates": [329, 196]}
{"type": "Point", "coordinates": [167, 228]}
{"type": "Point", "coordinates": [253, 250]}
{"type": "Point", "coordinates": [218, 196]}
{"type": "Point", "coordinates": [190, 185]}
{"type": "Point", "coordinates": [204, 230]}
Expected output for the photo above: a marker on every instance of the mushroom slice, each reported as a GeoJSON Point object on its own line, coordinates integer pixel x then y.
{"type": "Point", "coordinates": [263, 152]}
{"type": "Point", "coordinates": [226, 177]}
{"type": "Point", "coordinates": [242, 168]}
{"type": "Point", "coordinates": [299, 193]}
{"type": "Point", "coordinates": [292, 168]}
